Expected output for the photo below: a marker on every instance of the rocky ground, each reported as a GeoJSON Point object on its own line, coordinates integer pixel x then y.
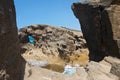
{"type": "Point", "coordinates": [59, 46]}
{"type": "Point", "coordinates": [104, 70]}
{"type": "Point", "coordinates": [55, 45]}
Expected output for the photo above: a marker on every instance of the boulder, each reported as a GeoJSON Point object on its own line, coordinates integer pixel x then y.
{"type": "Point", "coordinates": [98, 72]}
{"type": "Point", "coordinates": [115, 65]}
{"type": "Point", "coordinates": [100, 23]}
{"type": "Point", "coordinates": [10, 59]}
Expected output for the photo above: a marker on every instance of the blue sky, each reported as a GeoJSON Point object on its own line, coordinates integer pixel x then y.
{"type": "Point", "coordinates": [51, 12]}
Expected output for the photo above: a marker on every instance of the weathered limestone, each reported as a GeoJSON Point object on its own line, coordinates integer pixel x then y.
{"type": "Point", "coordinates": [10, 60]}
{"type": "Point", "coordinates": [100, 24]}
{"type": "Point", "coordinates": [67, 44]}
{"type": "Point", "coordinates": [115, 69]}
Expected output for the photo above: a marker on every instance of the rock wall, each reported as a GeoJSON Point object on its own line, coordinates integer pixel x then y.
{"type": "Point", "coordinates": [100, 24]}
{"type": "Point", "coordinates": [10, 60]}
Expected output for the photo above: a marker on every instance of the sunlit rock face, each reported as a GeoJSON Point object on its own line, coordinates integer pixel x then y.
{"type": "Point", "coordinates": [100, 24]}
{"type": "Point", "coordinates": [10, 60]}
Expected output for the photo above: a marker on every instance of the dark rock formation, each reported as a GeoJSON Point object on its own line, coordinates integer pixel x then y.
{"type": "Point", "coordinates": [116, 2]}
{"type": "Point", "coordinates": [100, 24]}
{"type": "Point", "coordinates": [10, 60]}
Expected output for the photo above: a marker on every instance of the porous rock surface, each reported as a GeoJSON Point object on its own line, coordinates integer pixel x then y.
{"type": "Point", "coordinates": [100, 24]}
{"type": "Point", "coordinates": [54, 41]}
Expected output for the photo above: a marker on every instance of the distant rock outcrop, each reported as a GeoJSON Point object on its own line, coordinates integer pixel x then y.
{"type": "Point", "coordinates": [100, 24]}
{"type": "Point", "coordinates": [55, 41]}
{"type": "Point", "coordinates": [10, 60]}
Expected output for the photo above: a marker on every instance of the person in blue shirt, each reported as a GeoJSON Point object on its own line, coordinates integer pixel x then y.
{"type": "Point", "coordinates": [31, 39]}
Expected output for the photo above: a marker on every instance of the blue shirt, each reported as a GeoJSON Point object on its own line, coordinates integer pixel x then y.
{"type": "Point", "coordinates": [31, 40]}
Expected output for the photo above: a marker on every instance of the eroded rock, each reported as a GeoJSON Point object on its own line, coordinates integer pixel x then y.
{"type": "Point", "coordinates": [10, 59]}
{"type": "Point", "coordinates": [93, 71]}
{"type": "Point", "coordinates": [115, 68]}
{"type": "Point", "coordinates": [100, 26]}
{"type": "Point", "coordinates": [54, 41]}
